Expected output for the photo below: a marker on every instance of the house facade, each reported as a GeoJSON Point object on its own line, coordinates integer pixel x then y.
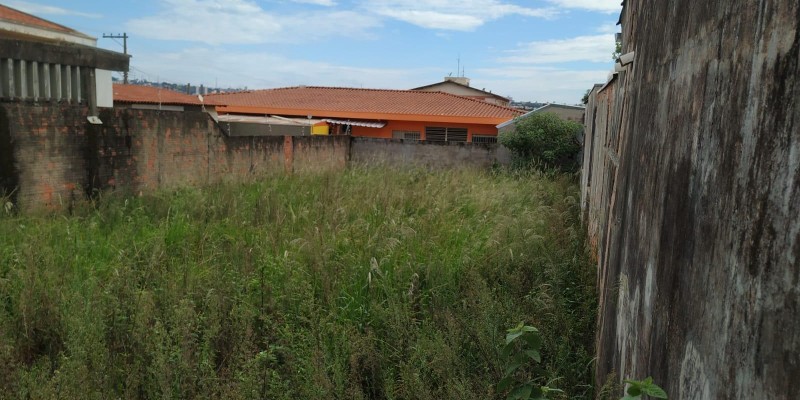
{"type": "Point", "coordinates": [374, 113]}
{"type": "Point", "coordinates": [460, 86]}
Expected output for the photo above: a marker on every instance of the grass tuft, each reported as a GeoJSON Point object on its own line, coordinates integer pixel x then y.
{"type": "Point", "coordinates": [362, 284]}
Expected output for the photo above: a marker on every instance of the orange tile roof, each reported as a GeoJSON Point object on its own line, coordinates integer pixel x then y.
{"type": "Point", "coordinates": [153, 95]}
{"type": "Point", "coordinates": [364, 103]}
{"type": "Point", "coordinates": [19, 17]}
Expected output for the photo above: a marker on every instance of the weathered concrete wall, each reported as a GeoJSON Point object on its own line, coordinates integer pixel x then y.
{"type": "Point", "coordinates": [698, 228]}
{"type": "Point", "coordinates": [430, 154]}
{"type": "Point", "coordinates": [50, 155]}
{"type": "Point", "coordinates": [314, 153]}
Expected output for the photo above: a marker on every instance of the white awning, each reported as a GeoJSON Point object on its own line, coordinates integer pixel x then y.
{"type": "Point", "coordinates": [367, 124]}
{"type": "Point", "coordinates": [268, 120]}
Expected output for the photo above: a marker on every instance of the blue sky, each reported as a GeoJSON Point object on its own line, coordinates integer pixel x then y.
{"type": "Point", "coordinates": [537, 50]}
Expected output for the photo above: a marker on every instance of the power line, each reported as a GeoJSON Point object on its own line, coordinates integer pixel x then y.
{"type": "Point", "coordinates": [124, 36]}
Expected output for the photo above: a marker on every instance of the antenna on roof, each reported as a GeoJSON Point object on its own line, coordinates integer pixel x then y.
{"type": "Point", "coordinates": [458, 70]}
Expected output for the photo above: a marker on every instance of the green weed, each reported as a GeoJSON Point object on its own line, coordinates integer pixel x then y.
{"type": "Point", "coordinates": [362, 284]}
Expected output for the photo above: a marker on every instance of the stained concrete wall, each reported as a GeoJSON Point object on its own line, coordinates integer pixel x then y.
{"type": "Point", "coordinates": [691, 191]}
{"type": "Point", "coordinates": [51, 156]}
{"type": "Point", "coordinates": [428, 154]}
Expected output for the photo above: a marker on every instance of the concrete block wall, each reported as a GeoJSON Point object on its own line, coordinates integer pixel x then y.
{"type": "Point", "coordinates": [236, 157]}
{"type": "Point", "coordinates": [320, 153]}
{"type": "Point", "coordinates": [429, 154]}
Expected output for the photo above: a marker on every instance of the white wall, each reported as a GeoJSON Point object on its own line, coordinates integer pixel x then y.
{"type": "Point", "coordinates": [105, 90]}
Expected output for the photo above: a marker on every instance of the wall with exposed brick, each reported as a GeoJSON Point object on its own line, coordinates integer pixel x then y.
{"type": "Point", "coordinates": [49, 148]}
{"type": "Point", "coordinates": [51, 156]}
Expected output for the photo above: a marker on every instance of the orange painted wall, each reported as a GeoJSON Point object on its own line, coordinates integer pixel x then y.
{"type": "Point", "coordinates": [386, 131]}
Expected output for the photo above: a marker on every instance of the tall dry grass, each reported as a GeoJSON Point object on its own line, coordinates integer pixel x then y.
{"type": "Point", "coordinates": [363, 284]}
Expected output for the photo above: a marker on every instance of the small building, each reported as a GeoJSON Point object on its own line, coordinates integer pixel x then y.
{"type": "Point", "coordinates": [460, 86]}
{"type": "Point", "coordinates": [375, 113]}
{"type": "Point", "coordinates": [565, 112]}
{"type": "Point", "coordinates": [44, 61]}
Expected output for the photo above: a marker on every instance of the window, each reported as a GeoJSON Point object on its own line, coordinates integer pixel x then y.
{"type": "Point", "coordinates": [438, 134]}
{"type": "Point", "coordinates": [484, 139]}
{"type": "Point", "coordinates": [406, 135]}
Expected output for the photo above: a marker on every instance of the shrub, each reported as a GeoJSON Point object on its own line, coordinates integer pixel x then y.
{"type": "Point", "coordinates": [545, 141]}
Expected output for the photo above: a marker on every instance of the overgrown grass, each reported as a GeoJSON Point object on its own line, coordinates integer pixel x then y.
{"type": "Point", "coordinates": [363, 284]}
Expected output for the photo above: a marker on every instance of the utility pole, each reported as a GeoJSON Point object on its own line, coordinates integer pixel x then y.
{"type": "Point", "coordinates": [124, 36]}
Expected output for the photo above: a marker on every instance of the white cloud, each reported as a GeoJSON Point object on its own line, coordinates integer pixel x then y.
{"type": "Point", "coordinates": [540, 84]}
{"type": "Point", "coordinates": [266, 70]}
{"type": "Point", "coordinates": [40, 9]}
{"type": "Point", "coordinates": [595, 48]}
{"type": "Point", "coordinates": [606, 6]}
{"type": "Point", "coordinates": [244, 22]}
{"type": "Point", "coordinates": [459, 15]}
{"type": "Point", "coordinates": [326, 3]}
{"type": "Point", "coordinates": [435, 20]}
{"type": "Point", "coordinates": [608, 28]}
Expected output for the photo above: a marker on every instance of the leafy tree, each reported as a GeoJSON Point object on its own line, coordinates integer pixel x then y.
{"type": "Point", "coordinates": [585, 99]}
{"type": "Point", "coordinates": [617, 51]}
{"type": "Point", "coordinates": [545, 141]}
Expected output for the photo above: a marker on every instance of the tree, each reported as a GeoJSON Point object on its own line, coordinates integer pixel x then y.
{"type": "Point", "coordinates": [617, 51]}
{"type": "Point", "coordinates": [545, 141]}
{"type": "Point", "coordinates": [585, 99]}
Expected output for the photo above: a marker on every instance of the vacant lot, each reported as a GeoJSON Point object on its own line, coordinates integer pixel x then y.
{"type": "Point", "coordinates": [368, 283]}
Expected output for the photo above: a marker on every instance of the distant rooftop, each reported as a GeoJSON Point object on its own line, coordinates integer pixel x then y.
{"type": "Point", "coordinates": [542, 109]}
{"type": "Point", "coordinates": [366, 103]}
{"type": "Point", "coordinates": [458, 82]}
{"type": "Point", "coordinates": [155, 95]}
{"type": "Point", "coordinates": [10, 15]}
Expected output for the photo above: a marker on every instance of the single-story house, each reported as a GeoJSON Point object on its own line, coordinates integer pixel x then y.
{"type": "Point", "coordinates": [140, 97]}
{"type": "Point", "coordinates": [460, 86]}
{"type": "Point", "coordinates": [44, 61]}
{"type": "Point", "coordinates": [376, 113]}
{"type": "Point", "coordinates": [565, 112]}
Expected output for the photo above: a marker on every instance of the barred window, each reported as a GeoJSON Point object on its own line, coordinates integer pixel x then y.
{"type": "Point", "coordinates": [484, 139]}
{"type": "Point", "coordinates": [438, 134]}
{"type": "Point", "coordinates": [407, 135]}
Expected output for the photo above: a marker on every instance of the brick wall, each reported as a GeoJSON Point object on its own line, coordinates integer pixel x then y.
{"type": "Point", "coordinates": [49, 152]}
{"type": "Point", "coordinates": [51, 156]}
